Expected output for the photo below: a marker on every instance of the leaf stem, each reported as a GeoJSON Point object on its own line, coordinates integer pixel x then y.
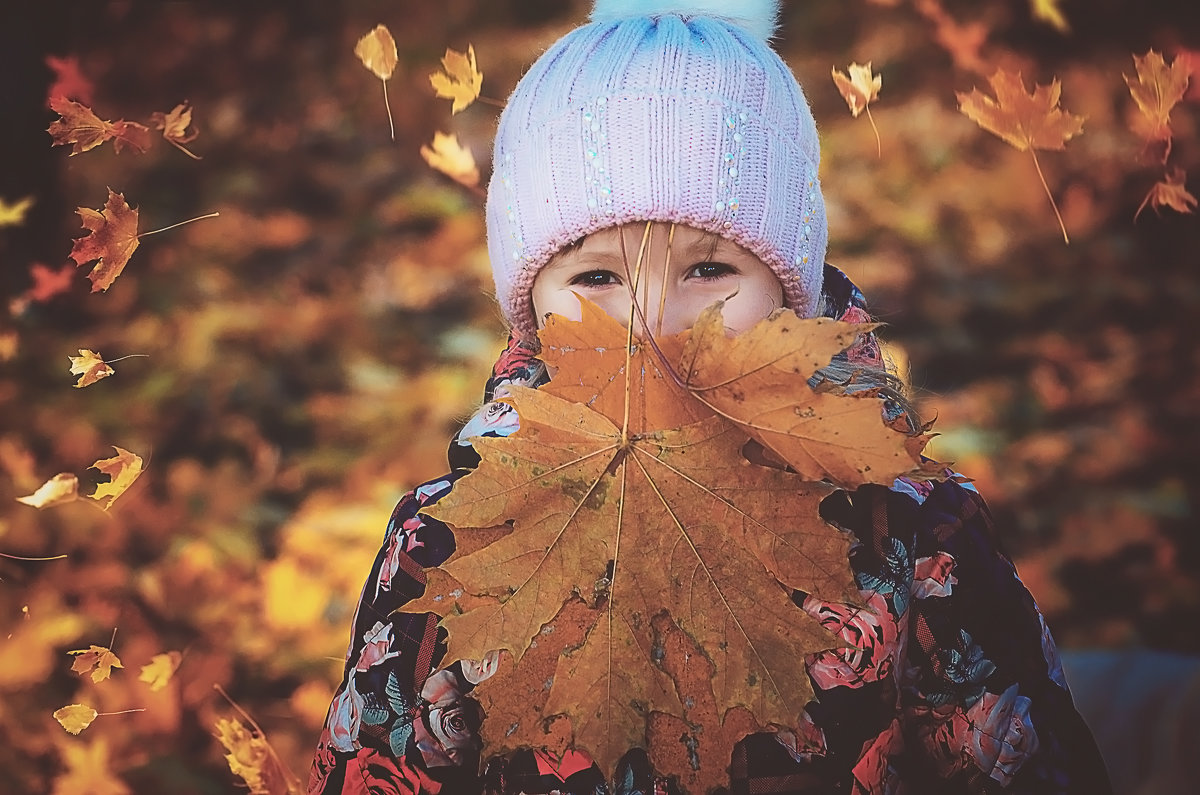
{"type": "Point", "coordinates": [1050, 196]}
{"type": "Point", "coordinates": [22, 557]}
{"type": "Point", "coordinates": [388, 105]}
{"type": "Point", "coordinates": [878, 145]}
{"type": "Point", "coordinates": [122, 711]}
{"type": "Point", "coordinates": [495, 103]}
{"type": "Point", "coordinates": [181, 223]}
{"type": "Point", "coordinates": [127, 356]}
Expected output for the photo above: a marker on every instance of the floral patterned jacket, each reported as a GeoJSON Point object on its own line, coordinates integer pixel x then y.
{"type": "Point", "coordinates": [948, 683]}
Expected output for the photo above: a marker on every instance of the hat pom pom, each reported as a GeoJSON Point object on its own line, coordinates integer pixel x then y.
{"type": "Point", "coordinates": [759, 17]}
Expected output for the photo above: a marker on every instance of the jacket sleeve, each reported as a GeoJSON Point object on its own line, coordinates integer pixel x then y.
{"type": "Point", "coordinates": [391, 723]}
{"type": "Point", "coordinates": [983, 703]}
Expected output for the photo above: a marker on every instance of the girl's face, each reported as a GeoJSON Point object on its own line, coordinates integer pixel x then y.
{"type": "Point", "coordinates": [683, 271]}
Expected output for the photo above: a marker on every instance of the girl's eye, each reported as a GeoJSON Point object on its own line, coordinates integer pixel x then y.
{"type": "Point", "coordinates": [708, 271]}
{"type": "Point", "coordinates": [595, 279]}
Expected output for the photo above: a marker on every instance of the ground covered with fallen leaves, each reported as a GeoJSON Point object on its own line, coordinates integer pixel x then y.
{"type": "Point", "coordinates": [217, 417]}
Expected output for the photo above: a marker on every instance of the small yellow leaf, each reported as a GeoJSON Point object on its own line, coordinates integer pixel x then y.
{"type": "Point", "coordinates": [89, 367]}
{"type": "Point", "coordinates": [124, 468]}
{"type": "Point", "coordinates": [452, 159]}
{"type": "Point", "coordinates": [174, 126]}
{"type": "Point", "coordinates": [461, 81]}
{"type": "Point", "coordinates": [1048, 11]}
{"type": "Point", "coordinates": [160, 669]}
{"type": "Point", "coordinates": [14, 214]}
{"type": "Point", "coordinates": [63, 487]}
{"type": "Point", "coordinates": [75, 717]}
{"type": "Point", "coordinates": [377, 51]}
{"type": "Point", "coordinates": [859, 87]}
{"type": "Point", "coordinates": [98, 659]}
{"type": "Point", "coordinates": [248, 753]}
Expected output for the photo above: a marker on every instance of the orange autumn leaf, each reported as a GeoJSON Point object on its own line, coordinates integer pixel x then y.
{"type": "Point", "coordinates": [158, 672]}
{"type": "Point", "coordinates": [251, 758]}
{"type": "Point", "coordinates": [69, 81]}
{"type": "Point", "coordinates": [1157, 89]}
{"type": "Point", "coordinates": [88, 769]}
{"type": "Point", "coordinates": [448, 156]}
{"type": "Point", "coordinates": [63, 487]}
{"type": "Point", "coordinates": [174, 126]}
{"type": "Point", "coordinates": [1170, 192]}
{"type": "Point", "coordinates": [123, 469]}
{"type": "Point", "coordinates": [646, 508]}
{"type": "Point", "coordinates": [1027, 121]}
{"type": "Point", "coordinates": [859, 87]}
{"type": "Point", "coordinates": [89, 367]}
{"type": "Point", "coordinates": [460, 81]}
{"type": "Point", "coordinates": [98, 660]}
{"type": "Point", "coordinates": [48, 282]}
{"type": "Point", "coordinates": [79, 126]}
{"type": "Point", "coordinates": [377, 51]}
{"type": "Point", "coordinates": [112, 240]}
{"type": "Point", "coordinates": [75, 717]}
{"type": "Point", "coordinates": [14, 214]}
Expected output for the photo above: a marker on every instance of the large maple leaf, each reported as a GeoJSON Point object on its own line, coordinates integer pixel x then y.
{"type": "Point", "coordinates": [1027, 121]}
{"type": "Point", "coordinates": [623, 513]}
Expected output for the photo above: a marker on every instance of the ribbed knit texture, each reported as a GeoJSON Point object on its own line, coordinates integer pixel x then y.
{"type": "Point", "coordinates": [691, 120]}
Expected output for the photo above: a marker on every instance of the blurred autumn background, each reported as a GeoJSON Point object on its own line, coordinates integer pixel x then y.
{"type": "Point", "coordinates": [300, 360]}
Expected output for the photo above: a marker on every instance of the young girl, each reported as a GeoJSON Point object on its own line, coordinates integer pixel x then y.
{"type": "Point", "coordinates": [672, 137]}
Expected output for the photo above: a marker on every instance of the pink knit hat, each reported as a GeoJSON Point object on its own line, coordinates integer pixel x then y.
{"type": "Point", "coordinates": [658, 111]}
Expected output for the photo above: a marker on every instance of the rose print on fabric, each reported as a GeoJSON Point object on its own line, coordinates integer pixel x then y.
{"type": "Point", "coordinates": [805, 742]}
{"type": "Point", "coordinates": [873, 774]}
{"type": "Point", "coordinates": [932, 576]}
{"type": "Point", "coordinates": [345, 717]}
{"type": "Point", "coordinates": [871, 636]}
{"type": "Point", "coordinates": [1001, 735]}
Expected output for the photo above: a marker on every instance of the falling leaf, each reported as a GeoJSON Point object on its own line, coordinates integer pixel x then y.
{"type": "Point", "coordinates": [859, 88]}
{"type": "Point", "coordinates": [82, 128]}
{"type": "Point", "coordinates": [646, 508]}
{"type": "Point", "coordinates": [69, 81]}
{"type": "Point", "coordinates": [377, 51]}
{"type": "Point", "coordinates": [1157, 89]}
{"type": "Point", "coordinates": [48, 282]}
{"type": "Point", "coordinates": [75, 717]}
{"type": "Point", "coordinates": [99, 660]}
{"type": "Point", "coordinates": [160, 669]}
{"type": "Point", "coordinates": [1169, 192]}
{"type": "Point", "coordinates": [123, 469]}
{"type": "Point", "coordinates": [248, 753]}
{"type": "Point", "coordinates": [1026, 121]}
{"type": "Point", "coordinates": [78, 125]}
{"type": "Point", "coordinates": [112, 240]}
{"type": "Point", "coordinates": [89, 367]}
{"type": "Point", "coordinates": [460, 81]}
{"type": "Point", "coordinates": [63, 487]}
{"type": "Point", "coordinates": [88, 769]}
{"type": "Point", "coordinates": [1048, 11]}
{"type": "Point", "coordinates": [449, 157]}
{"type": "Point", "coordinates": [14, 214]}
{"type": "Point", "coordinates": [174, 126]}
